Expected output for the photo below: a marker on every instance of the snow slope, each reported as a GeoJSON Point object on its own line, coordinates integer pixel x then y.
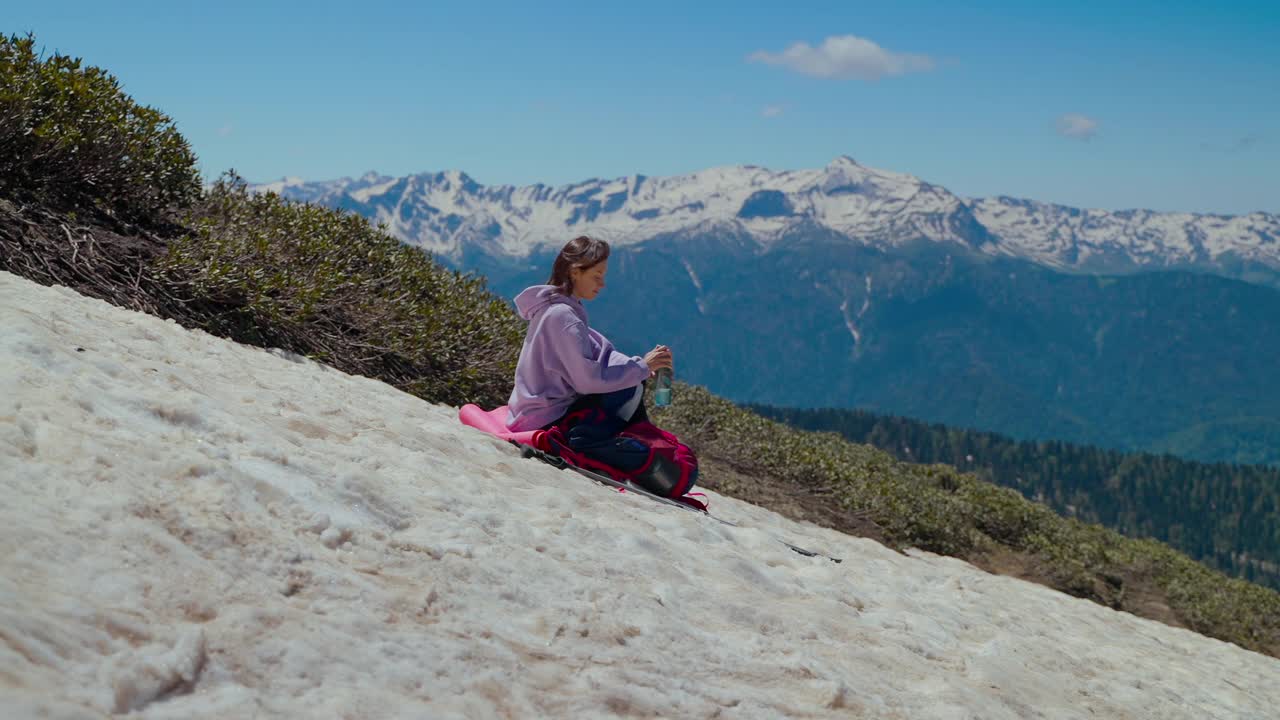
{"type": "Point", "coordinates": [194, 528]}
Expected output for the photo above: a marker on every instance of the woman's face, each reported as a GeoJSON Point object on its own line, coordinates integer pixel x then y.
{"type": "Point", "coordinates": [588, 283]}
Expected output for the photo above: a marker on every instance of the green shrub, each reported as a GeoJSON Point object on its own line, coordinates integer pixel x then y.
{"type": "Point", "coordinates": [70, 137]}
{"type": "Point", "coordinates": [325, 283]}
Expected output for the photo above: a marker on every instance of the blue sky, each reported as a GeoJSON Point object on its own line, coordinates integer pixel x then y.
{"type": "Point", "coordinates": [1163, 105]}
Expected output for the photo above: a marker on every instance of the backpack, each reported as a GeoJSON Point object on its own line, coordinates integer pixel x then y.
{"type": "Point", "coordinates": [640, 452]}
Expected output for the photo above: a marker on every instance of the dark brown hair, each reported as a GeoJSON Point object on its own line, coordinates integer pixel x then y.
{"type": "Point", "coordinates": [581, 252]}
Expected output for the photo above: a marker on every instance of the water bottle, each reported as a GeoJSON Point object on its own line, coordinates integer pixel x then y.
{"type": "Point", "coordinates": [662, 393]}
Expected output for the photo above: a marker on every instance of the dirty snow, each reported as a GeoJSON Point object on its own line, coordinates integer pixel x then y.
{"type": "Point", "coordinates": [197, 529]}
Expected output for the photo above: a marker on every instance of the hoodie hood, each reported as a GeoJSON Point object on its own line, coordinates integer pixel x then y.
{"type": "Point", "coordinates": [533, 300]}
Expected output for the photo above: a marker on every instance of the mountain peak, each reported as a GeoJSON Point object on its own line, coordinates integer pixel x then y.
{"type": "Point", "coordinates": [843, 176]}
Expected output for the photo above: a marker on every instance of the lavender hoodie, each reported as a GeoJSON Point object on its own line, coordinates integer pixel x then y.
{"type": "Point", "coordinates": [562, 359]}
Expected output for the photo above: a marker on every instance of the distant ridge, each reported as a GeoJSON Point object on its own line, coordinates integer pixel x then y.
{"type": "Point", "coordinates": [445, 212]}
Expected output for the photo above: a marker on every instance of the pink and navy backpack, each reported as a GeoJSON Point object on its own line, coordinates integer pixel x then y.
{"type": "Point", "coordinates": [640, 453]}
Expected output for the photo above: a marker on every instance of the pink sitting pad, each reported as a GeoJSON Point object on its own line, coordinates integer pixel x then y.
{"type": "Point", "coordinates": [494, 422]}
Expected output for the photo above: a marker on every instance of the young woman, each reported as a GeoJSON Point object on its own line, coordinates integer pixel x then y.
{"type": "Point", "coordinates": [564, 364]}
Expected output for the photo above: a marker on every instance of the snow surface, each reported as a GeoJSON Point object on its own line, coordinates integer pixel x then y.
{"type": "Point", "coordinates": [195, 528]}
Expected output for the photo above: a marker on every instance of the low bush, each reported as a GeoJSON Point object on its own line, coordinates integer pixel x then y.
{"type": "Point", "coordinates": [327, 284]}
{"type": "Point", "coordinates": [71, 138]}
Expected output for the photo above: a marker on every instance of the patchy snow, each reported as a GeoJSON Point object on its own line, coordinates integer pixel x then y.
{"type": "Point", "coordinates": [851, 323]}
{"type": "Point", "coordinates": [848, 323]}
{"type": "Point", "coordinates": [198, 529]}
{"type": "Point", "coordinates": [693, 276]}
{"type": "Point", "coordinates": [377, 188]}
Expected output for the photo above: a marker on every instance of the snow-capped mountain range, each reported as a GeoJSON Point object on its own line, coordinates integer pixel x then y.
{"type": "Point", "coordinates": [443, 212]}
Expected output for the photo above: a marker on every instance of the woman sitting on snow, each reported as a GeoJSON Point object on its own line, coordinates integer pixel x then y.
{"type": "Point", "coordinates": [564, 364]}
{"type": "Point", "coordinates": [571, 383]}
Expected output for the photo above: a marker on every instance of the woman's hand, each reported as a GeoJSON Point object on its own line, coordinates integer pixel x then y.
{"type": "Point", "coordinates": [658, 358]}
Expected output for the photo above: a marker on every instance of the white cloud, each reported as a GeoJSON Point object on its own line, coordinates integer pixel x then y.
{"type": "Point", "coordinates": [225, 130]}
{"type": "Point", "coordinates": [1075, 125]}
{"type": "Point", "coordinates": [772, 111]}
{"type": "Point", "coordinates": [845, 57]}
